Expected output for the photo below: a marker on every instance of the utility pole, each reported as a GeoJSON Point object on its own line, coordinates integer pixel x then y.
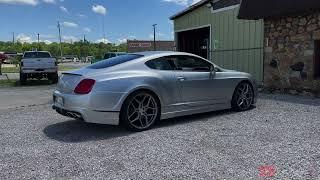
{"type": "Point", "coordinates": [12, 37]}
{"type": "Point", "coordinates": [60, 39]}
{"type": "Point", "coordinates": [104, 32]}
{"type": "Point", "coordinates": [38, 41]}
{"type": "Point", "coordinates": [154, 37]}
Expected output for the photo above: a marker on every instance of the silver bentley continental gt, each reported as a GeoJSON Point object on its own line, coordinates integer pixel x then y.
{"type": "Point", "coordinates": [136, 90]}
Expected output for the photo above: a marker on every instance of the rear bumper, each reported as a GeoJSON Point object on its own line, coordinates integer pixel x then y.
{"type": "Point", "coordinates": [77, 107]}
{"type": "Point", "coordinates": [38, 70]}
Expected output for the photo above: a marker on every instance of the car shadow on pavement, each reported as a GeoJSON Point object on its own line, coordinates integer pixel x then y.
{"type": "Point", "coordinates": [194, 118]}
{"type": "Point", "coordinates": [77, 131]}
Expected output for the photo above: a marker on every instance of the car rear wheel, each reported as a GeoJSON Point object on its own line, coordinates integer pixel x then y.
{"type": "Point", "coordinates": [23, 78]}
{"type": "Point", "coordinates": [243, 97]}
{"type": "Point", "coordinates": [53, 77]}
{"type": "Point", "coordinates": [140, 111]}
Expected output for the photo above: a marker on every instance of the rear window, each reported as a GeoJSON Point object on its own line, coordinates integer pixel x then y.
{"type": "Point", "coordinates": [114, 61]}
{"type": "Point", "coordinates": [36, 55]}
{"type": "Point", "coordinates": [109, 55]}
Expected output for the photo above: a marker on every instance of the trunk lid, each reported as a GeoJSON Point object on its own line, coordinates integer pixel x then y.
{"type": "Point", "coordinates": [44, 63]}
{"type": "Point", "coordinates": [68, 82]}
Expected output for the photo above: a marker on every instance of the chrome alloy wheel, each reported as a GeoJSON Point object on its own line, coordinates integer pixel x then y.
{"type": "Point", "coordinates": [244, 94]}
{"type": "Point", "coordinates": [142, 111]}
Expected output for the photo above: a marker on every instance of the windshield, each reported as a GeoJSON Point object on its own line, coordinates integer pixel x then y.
{"type": "Point", "coordinates": [114, 61]}
{"type": "Point", "coordinates": [36, 55]}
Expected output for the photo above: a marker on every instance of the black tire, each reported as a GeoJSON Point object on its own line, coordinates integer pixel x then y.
{"type": "Point", "coordinates": [23, 78]}
{"type": "Point", "coordinates": [243, 97]}
{"type": "Point", "coordinates": [54, 78]}
{"type": "Point", "coordinates": [134, 115]}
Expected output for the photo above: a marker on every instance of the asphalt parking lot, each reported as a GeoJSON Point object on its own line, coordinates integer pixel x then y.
{"type": "Point", "coordinates": [282, 132]}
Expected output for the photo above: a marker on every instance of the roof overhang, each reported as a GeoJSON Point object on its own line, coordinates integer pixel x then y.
{"type": "Point", "coordinates": [261, 9]}
{"type": "Point", "coordinates": [189, 9]}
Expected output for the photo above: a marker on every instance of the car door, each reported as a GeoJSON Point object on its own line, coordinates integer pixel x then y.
{"type": "Point", "coordinates": [166, 83]}
{"type": "Point", "coordinates": [198, 85]}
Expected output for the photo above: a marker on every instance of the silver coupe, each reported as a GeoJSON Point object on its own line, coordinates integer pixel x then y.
{"type": "Point", "coordinates": [136, 90]}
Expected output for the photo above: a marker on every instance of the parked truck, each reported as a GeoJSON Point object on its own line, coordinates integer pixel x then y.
{"type": "Point", "coordinates": [38, 65]}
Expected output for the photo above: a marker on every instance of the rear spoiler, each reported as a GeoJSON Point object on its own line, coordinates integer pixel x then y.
{"type": "Point", "coordinates": [73, 74]}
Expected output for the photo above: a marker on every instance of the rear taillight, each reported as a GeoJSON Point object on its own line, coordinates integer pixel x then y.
{"type": "Point", "coordinates": [85, 86]}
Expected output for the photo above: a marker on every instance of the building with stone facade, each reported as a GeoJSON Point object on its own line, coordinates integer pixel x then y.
{"type": "Point", "coordinates": [291, 41]}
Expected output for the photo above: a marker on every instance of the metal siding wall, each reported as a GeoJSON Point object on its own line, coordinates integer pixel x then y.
{"type": "Point", "coordinates": [239, 42]}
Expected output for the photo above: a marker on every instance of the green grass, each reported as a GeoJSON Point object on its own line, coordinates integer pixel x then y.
{"type": "Point", "coordinates": [8, 83]}
{"type": "Point", "coordinates": [66, 68]}
{"type": "Point", "coordinates": [17, 69]}
{"type": "Point", "coordinates": [10, 69]}
{"type": "Point", "coordinates": [16, 83]}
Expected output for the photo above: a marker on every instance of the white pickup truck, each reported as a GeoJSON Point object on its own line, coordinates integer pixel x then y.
{"type": "Point", "coordinates": [38, 65]}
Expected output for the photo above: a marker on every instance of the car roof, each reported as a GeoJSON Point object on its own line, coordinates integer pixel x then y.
{"type": "Point", "coordinates": [152, 53]}
{"type": "Point", "coordinates": [36, 51]}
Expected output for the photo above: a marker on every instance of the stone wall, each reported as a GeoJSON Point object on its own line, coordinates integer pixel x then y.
{"type": "Point", "coordinates": [289, 52]}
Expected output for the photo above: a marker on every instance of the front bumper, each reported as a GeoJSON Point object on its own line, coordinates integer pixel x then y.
{"type": "Point", "coordinates": [74, 106]}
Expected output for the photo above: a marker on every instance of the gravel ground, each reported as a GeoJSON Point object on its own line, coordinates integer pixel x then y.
{"type": "Point", "coordinates": [13, 97]}
{"type": "Point", "coordinates": [282, 132]}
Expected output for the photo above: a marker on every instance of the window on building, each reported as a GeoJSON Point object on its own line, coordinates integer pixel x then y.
{"type": "Point", "coordinates": [317, 59]}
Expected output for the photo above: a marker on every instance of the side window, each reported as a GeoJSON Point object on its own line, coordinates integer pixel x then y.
{"type": "Point", "coordinates": [160, 64]}
{"type": "Point", "coordinates": [188, 63]}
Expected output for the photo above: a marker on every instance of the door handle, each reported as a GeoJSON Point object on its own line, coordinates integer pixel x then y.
{"type": "Point", "coordinates": [181, 78]}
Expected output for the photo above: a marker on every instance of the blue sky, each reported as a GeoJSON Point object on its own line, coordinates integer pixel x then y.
{"type": "Point", "coordinates": [124, 19]}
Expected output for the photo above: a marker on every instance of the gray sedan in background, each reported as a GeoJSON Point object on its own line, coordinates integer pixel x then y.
{"type": "Point", "coordinates": [136, 90]}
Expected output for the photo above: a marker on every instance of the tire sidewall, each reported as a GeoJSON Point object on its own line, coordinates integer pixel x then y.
{"type": "Point", "coordinates": [234, 104]}
{"type": "Point", "coordinates": [123, 113]}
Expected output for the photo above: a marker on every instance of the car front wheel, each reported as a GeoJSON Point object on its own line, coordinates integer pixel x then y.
{"type": "Point", "coordinates": [243, 97]}
{"type": "Point", "coordinates": [140, 111]}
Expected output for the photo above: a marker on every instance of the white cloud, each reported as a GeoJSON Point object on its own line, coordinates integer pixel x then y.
{"type": "Point", "coordinates": [102, 40]}
{"type": "Point", "coordinates": [23, 38]}
{"type": "Point", "coordinates": [26, 2]}
{"type": "Point", "coordinates": [81, 15]}
{"type": "Point", "coordinates": [122, 41]}
{"type": "Point", "coordinates": [179, 2]}
{"type": "Point", "coordinates": [47, 41]}
{"type": "Point", "coordinates": [49, 1]}
{"type": "Point", "coordinates": [183, 2]}
{"type": "Point", "coordinates": [63, 9]}
{"type": "Point", "coordinates": [99, 9]}
{"type": "Point", "coordinates": [70, 39]}
{"type": "Point", "coordinates": [87, 29]}
{"type": "Point", "coordinates": [195, 1]}
{"type": "Point", "coordinates": [70, 24]}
